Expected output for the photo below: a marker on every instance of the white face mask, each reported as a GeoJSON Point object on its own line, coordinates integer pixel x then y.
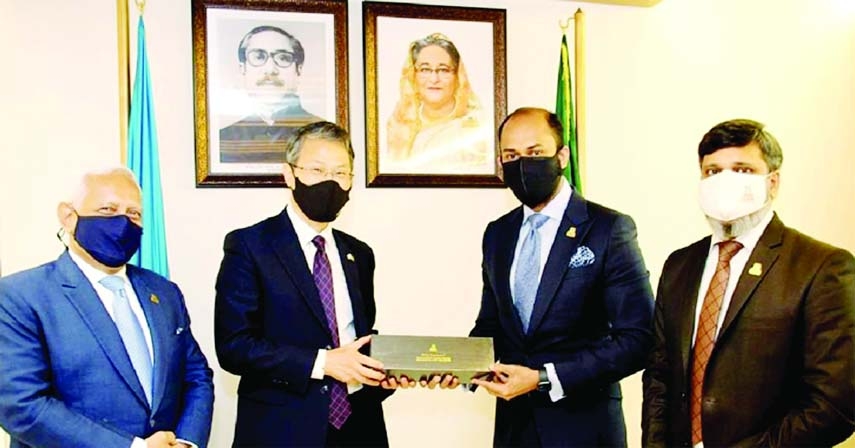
{"type": "Point", "coordinates": [728, 195]}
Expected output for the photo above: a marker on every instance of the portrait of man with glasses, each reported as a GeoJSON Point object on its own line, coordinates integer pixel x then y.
{"type": "Point", "coordinates": [270, 61]}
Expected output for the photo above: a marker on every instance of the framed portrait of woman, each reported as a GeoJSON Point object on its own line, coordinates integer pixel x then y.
{"type": "Point", "coordinates": [435, 92]}
{"type": "Point", "coordinates": [262, 69]}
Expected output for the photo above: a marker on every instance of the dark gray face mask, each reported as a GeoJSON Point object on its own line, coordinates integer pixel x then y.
{"type": "Point", "coordinates": [532, 179]}
{"type": "Point", "coordinates": [322, 201]}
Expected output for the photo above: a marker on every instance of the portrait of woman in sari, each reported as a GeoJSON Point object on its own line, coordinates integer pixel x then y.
{"type": "Point", "coordinates": [438, 125]}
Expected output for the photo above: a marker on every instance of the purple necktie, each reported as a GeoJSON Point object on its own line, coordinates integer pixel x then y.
{"type": "Point", "coordinates": [339, 406]}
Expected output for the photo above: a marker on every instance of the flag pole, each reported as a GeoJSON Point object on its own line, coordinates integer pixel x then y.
{"type": "Point", "coordinates": [579, 53]}
{"type": "Point", "coordinates": [124, 76]}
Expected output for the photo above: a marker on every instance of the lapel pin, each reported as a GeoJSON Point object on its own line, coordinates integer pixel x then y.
{"type": "Point", "coordinates": [350, 257]}
{"type": "Point", "coordinates": [571, 232]}
{"type": "Point", "coordinates": [756, 269]}
{"type": "Point", "coordinates": [154, 299]}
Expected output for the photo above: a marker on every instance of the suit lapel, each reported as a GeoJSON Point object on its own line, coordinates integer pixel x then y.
{"type": "Point", "coordinates": [351, 275]}
{"type": "Point", "coordinates": [160, 333]}
{"type": "Point", "coordinates": [505, 246]}
{"type": "Point", "coordinates": [562, 250]}
{"type": "Point", "coordinates": [765, 254]}
{"type": "Point", "coordinates": [692, 270]}
{"type": "Point", "coordinates": [85, 300]}
{"type": "Point", "coordinates": [286, 245]}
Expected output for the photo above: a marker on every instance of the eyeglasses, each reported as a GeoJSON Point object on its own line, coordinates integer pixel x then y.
{"type": "Point", "coordinates": [320, 174]}
{"type": "Point", "coordinates": [443, 72]}
{"type": "Point", "coordinates": [258, 57]}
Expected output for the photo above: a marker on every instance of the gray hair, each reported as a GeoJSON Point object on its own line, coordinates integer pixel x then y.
{"type": "Point", "coordinates": [82, 186]}
{"type": "Point", "coordinates": [322, 130]}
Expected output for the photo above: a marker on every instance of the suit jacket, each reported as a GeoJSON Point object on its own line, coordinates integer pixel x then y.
{"type": "Point", "coordinates": [782, 372]}
{"type": "Point", "coordinates": [66, 377]}
{"type": "Point", "coordinates": [269, 325]}
{"type": "Point", "coordinates": [591, 319]}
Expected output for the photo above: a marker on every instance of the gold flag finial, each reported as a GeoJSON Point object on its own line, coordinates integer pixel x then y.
{"type": "Point", "coordinates": [140, 6]}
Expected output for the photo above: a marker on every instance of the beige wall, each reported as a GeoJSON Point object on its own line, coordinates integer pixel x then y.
{"type": "Point", "coordinates": [658, 78]}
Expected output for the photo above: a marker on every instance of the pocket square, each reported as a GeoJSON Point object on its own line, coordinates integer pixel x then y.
{"type": "Point", "coordinates": [582, 257]}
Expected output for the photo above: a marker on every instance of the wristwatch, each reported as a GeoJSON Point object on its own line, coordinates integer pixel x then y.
{"type": "Point", "coordinates": [543, 383]}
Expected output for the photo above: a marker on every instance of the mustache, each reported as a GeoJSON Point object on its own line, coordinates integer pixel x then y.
{"type": "Point", "coordinates": [268, 80]}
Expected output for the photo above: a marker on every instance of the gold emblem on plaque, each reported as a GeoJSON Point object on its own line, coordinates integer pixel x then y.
{"type": "Point", "coordinates": [433, 355]}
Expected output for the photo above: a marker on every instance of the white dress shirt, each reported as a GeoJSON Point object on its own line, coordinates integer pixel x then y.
{"type": "Point", "coordinates": [737, 265]}
{"type": "Point", "coordinates": [343, 306]}
{"type": "Point", "coordinates": [554, 210]}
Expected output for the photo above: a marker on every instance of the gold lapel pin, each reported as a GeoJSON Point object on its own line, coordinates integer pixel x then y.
{"type": "Point", "coordinates": [571, 232]}
{"type": "Point", "coordinates": [350, 257]}
{"type": "Point", "coordinates": [154, 299]}
{"type": "Point", "coordinates": [756, 269]}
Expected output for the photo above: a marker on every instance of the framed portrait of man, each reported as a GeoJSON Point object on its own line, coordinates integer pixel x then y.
{"type": "Point", "coordinates": [435, 92]}
{"type": "Point", "coordinates": [262, 69]}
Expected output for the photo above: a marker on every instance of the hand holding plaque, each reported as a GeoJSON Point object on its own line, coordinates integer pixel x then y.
{"type": "Point", "coordinates": [437, 360]}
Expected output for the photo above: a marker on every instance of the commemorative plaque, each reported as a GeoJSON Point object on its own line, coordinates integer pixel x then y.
{"type": "Point", "coordinates": [424, 356]}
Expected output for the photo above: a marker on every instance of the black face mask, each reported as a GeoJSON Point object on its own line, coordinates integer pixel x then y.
{"type": "Point", "coordinates": [532, 179]}
{"type": "Point", "coordinates": [322, 201]}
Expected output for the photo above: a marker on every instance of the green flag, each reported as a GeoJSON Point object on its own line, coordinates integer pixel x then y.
{"type": "Point", "coordinates": [564, 110]}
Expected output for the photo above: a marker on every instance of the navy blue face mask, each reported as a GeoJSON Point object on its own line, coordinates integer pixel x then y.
{"type": "Point", "coordinates": [111, 240]}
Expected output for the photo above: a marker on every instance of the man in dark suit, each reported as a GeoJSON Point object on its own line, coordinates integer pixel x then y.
{"type": "Point", "coordinates": [754, 326]}
{"type": "Point", "coordinates": [270, 61]}
{"type": "Point", "coordinates": [295, 303]}
{"type": "Point", "coordinates": [566, 299]}
{"type": "Point", "coordinates": [98, 353]}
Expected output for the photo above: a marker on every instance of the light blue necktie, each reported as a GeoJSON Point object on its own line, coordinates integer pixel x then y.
{"type": "Point", "coordinates": [526, 277]}
{"type": "Point", "coordinates": [131, 332]}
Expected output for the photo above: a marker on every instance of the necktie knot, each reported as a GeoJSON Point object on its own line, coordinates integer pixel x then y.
{"type": "Point", "coordinates": [536, 220]}
{"type": "Point", "coordinates": [727, 249]}
{"type": "Point", "coordinates": [320, 243]}
{"type": "Point", "coordinates": [114, 283]}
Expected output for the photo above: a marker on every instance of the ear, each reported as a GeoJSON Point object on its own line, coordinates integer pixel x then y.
{"type": "Point", "coordinates": [67, 217]}
{"type": "Point", "coordinates": [288, 175]}
{"type": "Point", "coordinates": [564, 156]}
{"type": "Point", "coordinates": [774, 183]}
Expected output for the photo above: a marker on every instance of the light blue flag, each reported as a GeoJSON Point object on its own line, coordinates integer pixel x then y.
{"type": "Point", "coordinates": [143, 161]}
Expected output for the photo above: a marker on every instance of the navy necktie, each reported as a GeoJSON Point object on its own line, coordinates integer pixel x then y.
{"type": "Point", "coordinates": [322, 272]}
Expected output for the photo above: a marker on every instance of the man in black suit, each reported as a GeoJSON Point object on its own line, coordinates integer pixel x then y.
{"type": "Point", "coordinates": [755, 325]}
{"type": "Point", "coordinates": [295, 303]}
{"type": "Point", "coordinates": [566, 299]}
{"type": "Point", "coordinates": [270, 60]}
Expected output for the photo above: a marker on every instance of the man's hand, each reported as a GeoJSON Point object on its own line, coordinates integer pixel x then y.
{"type": "Point", "coordinates": [509, 381]}
{"type": "Point", "coordinates": [446, 381]}
{"type": "Point", "coordinates": [393, 383]}
{"type": "Point", "coordinates": [161, 439]}
{"type": "Point", "coordinates": [349, 366]}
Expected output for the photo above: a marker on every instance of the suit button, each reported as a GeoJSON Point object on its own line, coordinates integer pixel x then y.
{"type": "Point", "coordinates": [277, 381]}
{"type": "Point", "coordinates": [152, 422]}
{"type": "Point", "coordinates": [329, 347]}
{"type": "Point", "coordinates": [324, 389]}
{"type": "Point", "coordinates": [683, 396]}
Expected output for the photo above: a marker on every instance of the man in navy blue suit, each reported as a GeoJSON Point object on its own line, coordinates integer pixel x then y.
{"type": "Point", "coordinates": [97, 353]}
{"type": "Point", "coordinates": [566, 298]}
{"type": "Point", "coordinates": [294, 306]}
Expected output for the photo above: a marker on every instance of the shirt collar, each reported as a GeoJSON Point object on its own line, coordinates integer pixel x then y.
{"type": "Point", "coordinates": [750, 238]}
{"type": "Point", "coordinates": [305, 234]}
{"type": "Point", "coordinates": [93, 274]}
{"type": "Point", "coordinates": [555, 208]}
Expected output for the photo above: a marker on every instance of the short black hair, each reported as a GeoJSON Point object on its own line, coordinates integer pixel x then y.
{"type": "Point", "coordinates": [738, 133]}
{"type": "Point", "coordinates": [299, 53]}
{"type": "Point", "coordinates": [551, 120]}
